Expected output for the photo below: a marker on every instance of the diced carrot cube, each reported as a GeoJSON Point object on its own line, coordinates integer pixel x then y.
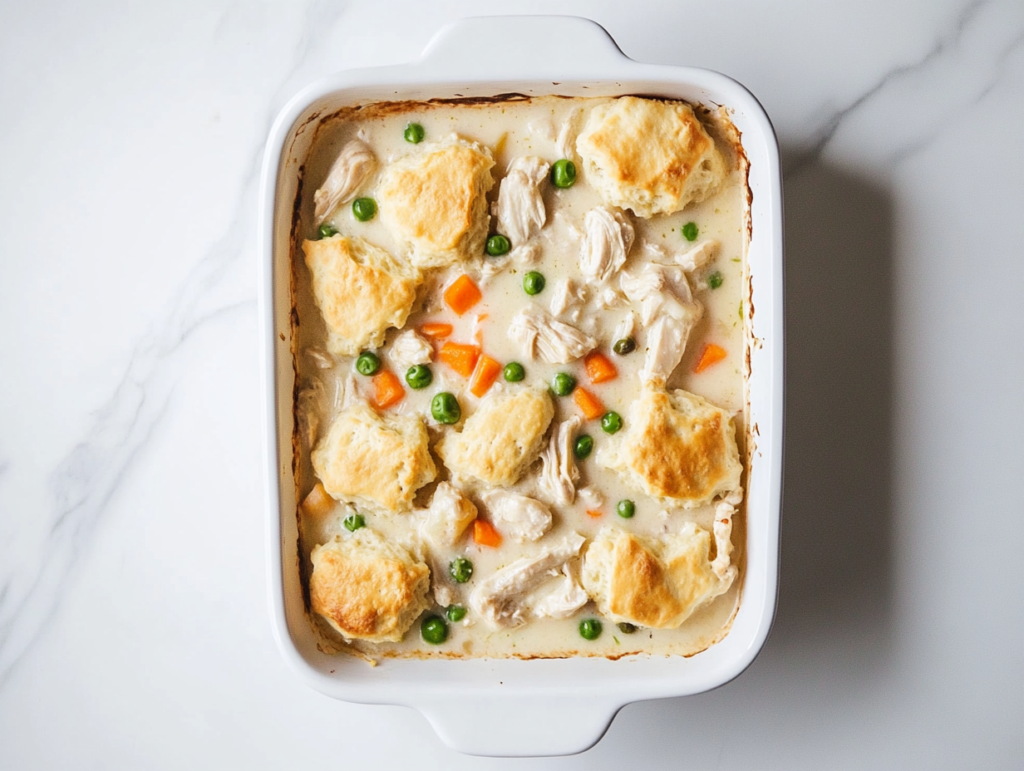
{"type": "Point", "coordinates": [593, 513]}
{"type": "Point", "coordinates": [484, 375]}
{"type": "Point", "coordinates": [387, 389]}
{"type": "Point", "coordinates": [435, 329]}
{"type": "Point", "coordinates": [712, 354]}
{"type": "Point", "coordinates": [484, 533]}
{"type": "Point", "coordinates": [589, 404]}
{"type": "Point", "coordinates": [599, 368]}
{"type": "Point", "coordinates": [462, 294]}
{"type": "Point", "coordinates": [318, 502]}
{"type": "Point", "coordinates": [460, 357]}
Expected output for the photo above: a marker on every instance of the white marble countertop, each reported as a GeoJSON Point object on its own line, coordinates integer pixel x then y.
{"type": "Point", "coordinates": [134, 630]}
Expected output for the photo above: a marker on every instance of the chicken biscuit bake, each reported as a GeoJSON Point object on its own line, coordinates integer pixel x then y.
{"type": "Point", "coordinates": [520, 351]}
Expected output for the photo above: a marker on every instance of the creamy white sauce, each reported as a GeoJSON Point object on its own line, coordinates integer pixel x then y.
{"type": "Point", "coordinates": [506, 129]}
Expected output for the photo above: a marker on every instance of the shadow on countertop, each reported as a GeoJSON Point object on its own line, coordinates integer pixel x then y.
{"type": "Point", "coordinates": [834, 627]}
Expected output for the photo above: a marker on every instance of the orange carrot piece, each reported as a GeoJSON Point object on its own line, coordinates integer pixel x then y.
{"type": "Point", "coordinates": [599, 368]}
{"type": "Point", "coordinates": [387, 389]}
{"type": "Point", "coordinates": [593, 513]}
{"type": "Point", "coordinates": [484, 375]}
{"type": "Point", "coordinates": [318, 502]}
{"type": "Point", "coordinates": [462, 294]}
{"type": "Point", "coordinates": [589, 404]}
{"type": "Point", "coordinates": [712, 354]}
{"type": "Point", "coordinates": [434, 329]}
{"type": "Point", "coordinates": [460, 357]}
{"type": "Point", "coordinates": [484, 533]}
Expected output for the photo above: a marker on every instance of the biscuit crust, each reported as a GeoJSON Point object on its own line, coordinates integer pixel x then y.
{"type": "Point", "coordinates": [435, 201]}
{"type": "Point", "coordinates": [378, 461]}
{"type": "Point", "coordinates": [657, 584]}
{"type": "Point", "coordinates": [367, 588]}
{"type": "Point", "coordinates": [361, 291]}
{"type": "Point", "coordinates": [677, 446]}
{"type": "Point", "coordinates": [649, 156]}
{"type": "Point", "coordinates": [501, 439]}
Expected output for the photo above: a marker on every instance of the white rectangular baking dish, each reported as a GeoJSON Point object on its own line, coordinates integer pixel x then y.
{"type": "Point", "coordinates": [513, 707]}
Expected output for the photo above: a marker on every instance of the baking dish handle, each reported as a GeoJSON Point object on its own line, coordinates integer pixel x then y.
{"type": "Point", "coordinates": [511, 725]}
{"type": "Point", "coordinates": [495, 46]}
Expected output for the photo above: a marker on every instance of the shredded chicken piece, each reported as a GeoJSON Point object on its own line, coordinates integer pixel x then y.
{"type": "Point", "coordinates": [441, 526]}
{"type": "Point", "coordinates": [320, 357]}
{"type": "Point", "coordinates": [350, 393]}
{"type": "Point", "coordinates": [409, 349]}
{"type": "Point", "coordinates": [541, 336]}
{"type": "Point", "coordinates": [626, 327]}
{"type": "Point", "coordinates": [353, 165]}
{"type": "Point", "coordinates": [699, 256]}
{"type": "Point", "coordinates": [308, 410]}
{"type": "Point", "coordinates": [725, 510]}
{"type": "Point", "coordinates": [566, 142]}
{"type": "Point", "coordinates": [666, 342]}
{"type": "Point", "coordinates": [558, 472]}
{"type": "Point", "coordinates": [567, 295]}
{"type": "Point", "coordinates": [448, 516]}
{"type": "Point", "coordinates": [611, 298]}
{"type": "Point", "coordinates": [500, 599]}
{"type": "Point", "coordinates": [522, 518]}
{"type": "Point", "coordinates": [607, 239]}
{"type": "Point", "coordinates": [562, 600]}
{"type": "Point", "coordinates": [669, 311]}
{"type": "Point", "coordinates": [654, 252]}
{"type": "Point", "coordinates": [521, 212]}
{"type": "Point", "coordinates": [658, 288]}
{"type": "Point", "coordinates": [590, 497]}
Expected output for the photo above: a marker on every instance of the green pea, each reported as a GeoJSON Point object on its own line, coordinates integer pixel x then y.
{"type": "Point", "coordinates": [626, 509]}
{"type": "Point", "coordinates": [715, 280]}
{"type": "Point", "coordinates": [514, 372]}
{"type": "Point", "coordinates": [627, 628]}
{"type": "Point", "coordinates": [563, 384]}
{"type": "Point", "coordinates": [364, 209]}
{"type": "Point", "coordinates": [434, 630]}
{"type": "Point", "coordinates": [455, 613]}
{"type": "Point", "coordinates": [583, 447]}
{"type": "Point", "coordinates": [326, 231]}
{"type": "Point", "coordinates": [563, 173]}
{"type": "Point", "coordinates": [419, 376]}
{"type": "Point", "coordinates": [533, 282]}
{"type": "Point", "coordinates": [445, 408]}
{"type": "Point", "coordinates": [497, 245]}
{"type": "Point", "coordinates": [414, 133]}
{"type": "Point", "coordinates": [689, 231]}
{"type": "Point", "coordinates": [590, 629]}
{"type": "Point", "coordinates": [624, 346]}
{"type": "Point", "coordinates": [611, 422]}
{"type": "Point", "coordinates": [368, 363]}
{"type": "Point", "coordinates": [460, 569]}
{"type": "Point", "coordinates": [353, 522]}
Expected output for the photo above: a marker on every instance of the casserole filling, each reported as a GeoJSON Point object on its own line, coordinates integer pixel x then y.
{"type": "Point", "coordinates": [520, 351]}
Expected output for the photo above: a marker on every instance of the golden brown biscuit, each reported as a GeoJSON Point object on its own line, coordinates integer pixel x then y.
{"type": "Point", "coordinates": [367, 588]}
{"type": "Point", "coordinates": [435, 201]}
{"type": "Point", "coordinates": [501, 438]}
{"type": "Point", "coordinates": [652, 583]}
{"type": "Point", "coordinates": [676, 446]}
{"type": "Point", "coordinates": [649, 156]}
{"type": "Point", "coordinates": [374, 460]}
{"type": "Point", "coordinates": [361, 291]}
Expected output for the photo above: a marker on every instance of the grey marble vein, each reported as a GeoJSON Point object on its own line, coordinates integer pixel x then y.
{"type": "Point", "coordinates": [907, 77]}
{"type": "Point", "coordinates": [87, 478]}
